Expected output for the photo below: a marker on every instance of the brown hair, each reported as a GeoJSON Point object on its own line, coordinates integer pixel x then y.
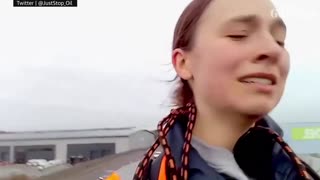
{"type": "Point", "coordinates": [183, 39]}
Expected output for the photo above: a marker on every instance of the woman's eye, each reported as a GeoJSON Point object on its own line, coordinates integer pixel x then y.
{"type": "Point", "coordinates": [237, 36]}
{"type": "Point", "coordinates": [281, 43]}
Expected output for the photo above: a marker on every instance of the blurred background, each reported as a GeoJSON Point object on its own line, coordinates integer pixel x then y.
{"type": "Point", "coordinates": [90, 82]}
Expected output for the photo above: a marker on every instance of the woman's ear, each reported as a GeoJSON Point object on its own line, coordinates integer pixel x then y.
{"type": "Point", "coordinates": [181, 64]}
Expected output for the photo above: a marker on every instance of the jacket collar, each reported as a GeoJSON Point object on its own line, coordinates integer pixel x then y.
{"type": "Point", "coordinates": [197, 164]}
{"type": "Point", "coordinates": [268, 122]}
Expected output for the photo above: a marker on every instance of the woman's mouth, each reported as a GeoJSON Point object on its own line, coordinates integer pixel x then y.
{"type": "Point", "coordinates": [262, 81]}
{"type": "Point", "coordinates": [259, 78]}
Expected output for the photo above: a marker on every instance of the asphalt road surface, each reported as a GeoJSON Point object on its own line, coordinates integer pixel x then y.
{"type": "Point", "coordinates": [91, 170]}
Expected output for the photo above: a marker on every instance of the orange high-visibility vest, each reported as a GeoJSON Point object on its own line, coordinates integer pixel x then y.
{"type": "Point", "coordinates": [162, 171]}
{"type": "Point", "coordinates": [113, 176]}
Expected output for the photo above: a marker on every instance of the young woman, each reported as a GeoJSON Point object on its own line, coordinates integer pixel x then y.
{"type": "Point", "coordinates": [232, 67]}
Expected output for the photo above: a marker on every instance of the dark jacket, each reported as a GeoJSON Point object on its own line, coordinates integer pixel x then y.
{"type": "Point", "coordinates": [257, 154]}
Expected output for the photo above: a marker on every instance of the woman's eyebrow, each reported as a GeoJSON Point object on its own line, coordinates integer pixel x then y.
{"type": "Point", "coordinates": [278, 22]}
{"type": "Point", "coordinates": [253, 20]}
{"type": "Point", "coordinates": [243, 19]}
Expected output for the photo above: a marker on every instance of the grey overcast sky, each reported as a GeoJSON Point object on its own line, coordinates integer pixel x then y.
{"type": "Point", "coordinates": [104, 63]}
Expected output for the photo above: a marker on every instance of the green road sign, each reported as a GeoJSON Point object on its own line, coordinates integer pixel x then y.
{"type": "Point", "coordinates": [310, 133]}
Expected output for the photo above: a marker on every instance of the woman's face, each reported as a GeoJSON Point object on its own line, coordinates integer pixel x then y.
{"type": "Point", "coordinates": [237, 62]}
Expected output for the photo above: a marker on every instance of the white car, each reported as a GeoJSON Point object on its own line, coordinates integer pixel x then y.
{"type": "Point", "coordinates": [36, 162]}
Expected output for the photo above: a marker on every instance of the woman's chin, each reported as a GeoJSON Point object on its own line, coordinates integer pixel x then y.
{"type": "Point", "coordinates": [258, 110]}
